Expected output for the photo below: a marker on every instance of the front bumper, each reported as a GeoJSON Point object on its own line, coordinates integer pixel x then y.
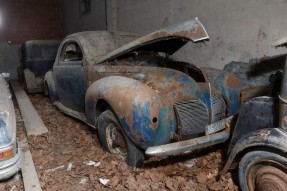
{"type": "Point", "coordinates": [11, 166]}
{"type": "Point", "coordinates": [188, 146]}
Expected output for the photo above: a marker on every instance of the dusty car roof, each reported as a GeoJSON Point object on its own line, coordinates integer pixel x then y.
{"type": "Point", "coordinates": [99, 43]}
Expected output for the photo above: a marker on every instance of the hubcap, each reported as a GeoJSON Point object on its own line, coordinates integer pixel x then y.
{"type": "Point", "coordinates": [267, 178]}
{"type": "Point", "coordinates": [116, 141]}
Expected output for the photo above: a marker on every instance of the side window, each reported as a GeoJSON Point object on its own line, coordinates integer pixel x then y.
{"type": "Point", "coordinates": [71, 52]}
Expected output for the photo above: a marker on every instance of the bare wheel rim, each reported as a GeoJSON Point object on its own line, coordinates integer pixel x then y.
{"type": "Point", "coordinates": [270, 176]}
{"type": "Point", "coordinates": [115, 140]}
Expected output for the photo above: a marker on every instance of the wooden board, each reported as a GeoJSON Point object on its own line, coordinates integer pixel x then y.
{"type": "Point", "coordinates": [34, 125]}
{"type": "Point", "coordinates": [30, 177]}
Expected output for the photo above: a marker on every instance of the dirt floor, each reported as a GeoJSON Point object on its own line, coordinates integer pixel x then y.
{"type": "Point", "coordinates": [70, 157]}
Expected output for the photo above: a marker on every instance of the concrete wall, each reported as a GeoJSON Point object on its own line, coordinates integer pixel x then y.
{"type": "Point", "coordinates": [239, 30]}
{"type": "Point", "coordinates": [9, 59]}
{"type": "Point", "coordinates": [74, 22]}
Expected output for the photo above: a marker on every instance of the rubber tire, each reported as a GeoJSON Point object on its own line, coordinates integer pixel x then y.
{"type": "Point", "coordinates": [135, 156]}
{"type": "Point", "coordinates": [252, 158]}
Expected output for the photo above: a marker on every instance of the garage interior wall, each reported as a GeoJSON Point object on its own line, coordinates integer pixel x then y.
{"type": "Point", "coordinates": [239, 30]}
{"type": "Point", "coordinates": [76, 20]}
{"type": "Point", "coordinates": [22, 20]}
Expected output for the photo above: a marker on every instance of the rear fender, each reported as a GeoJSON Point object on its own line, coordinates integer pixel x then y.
{"type": "Point", "coordinates": [268, 138]}
{"type": "Point", "coordinates": [49, 84]}
{"type": "Point", "coordinates": [143, 115]}
{"type": "Point", "coordinates": [258, 113]}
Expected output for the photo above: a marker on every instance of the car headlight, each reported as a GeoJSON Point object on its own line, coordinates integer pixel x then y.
{"type": "Point", "coordinates": [7, 152]}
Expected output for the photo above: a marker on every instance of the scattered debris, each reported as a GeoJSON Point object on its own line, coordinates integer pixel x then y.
{"type": "Point", "coordinates": [13, 188]}
{"type": "Point", "coordinates": [104, 181]}
{"type": "Point", "coordinates": [69, 167]}
{"type": "Point", "coordinates": [190, 163]}
{"type": "Point", "coordinates": [92, 163]}
{"type": "Point", "coordinates": [54, 169]}
{"type": "Point", "coordinates": [84, 181]}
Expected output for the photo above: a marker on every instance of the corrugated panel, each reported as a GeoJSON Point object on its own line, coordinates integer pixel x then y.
{"type": "Point", "coordinates": [193, 115]}
{"type": "Point", "coordinates": [218, 108]}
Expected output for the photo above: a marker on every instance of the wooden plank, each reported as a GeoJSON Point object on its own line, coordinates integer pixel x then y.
{"type": "Point", "coordinates": [32, 121]}
{"type": "Point", "coordinates": [30, 177]}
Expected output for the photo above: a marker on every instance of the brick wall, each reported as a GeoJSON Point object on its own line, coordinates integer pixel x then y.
{"type": "Point", "coordinates": [22, 20]}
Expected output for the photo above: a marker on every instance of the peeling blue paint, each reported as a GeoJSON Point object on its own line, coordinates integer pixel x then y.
{"type": "Point", "coordinates": [205, 97]}
{"type": "Point", "coordinates": [141, 132]}
{"type": "Point", "coordinates": [172, 94]}
{"type": "Point", "coordinates": [141, 118]}
{"type": "Point", "coordinates": [165, 127]}
{"type": "Point", "coordinates": [231, 94]}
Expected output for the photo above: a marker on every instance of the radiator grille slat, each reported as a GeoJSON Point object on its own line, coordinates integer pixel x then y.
{"type": "Point", "coordinates": [194, 114]}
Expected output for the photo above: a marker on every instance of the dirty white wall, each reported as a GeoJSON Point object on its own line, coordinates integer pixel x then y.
{"type": "Point", "coordinates": [73, 21]}
{"type": "Point", "coordinates": [239, 30]}
{"type": "Point", "coordinates": [9, 59]}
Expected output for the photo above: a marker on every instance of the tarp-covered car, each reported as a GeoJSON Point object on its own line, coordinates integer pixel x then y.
{"type": "Point", "coordinates": [10, 154]}
{"type": "Point", "coordinates": [140, 100]}
{"type": "Point", "coordinates": [38, 59]}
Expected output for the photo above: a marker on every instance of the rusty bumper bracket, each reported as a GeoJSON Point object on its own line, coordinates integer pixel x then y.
{"type": "Point", "coordinates": [188, 146]}
{"type": "Point", "coordinates": [217, 126]}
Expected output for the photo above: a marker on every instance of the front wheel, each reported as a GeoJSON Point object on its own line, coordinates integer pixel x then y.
{"type": "Point", "coordinates": [263, 171]}
{"type": "Point", "coordinates": [114, 140]}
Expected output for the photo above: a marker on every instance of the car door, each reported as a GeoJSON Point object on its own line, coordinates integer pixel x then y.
{"type": "Point", "coordinates": [71, 77]}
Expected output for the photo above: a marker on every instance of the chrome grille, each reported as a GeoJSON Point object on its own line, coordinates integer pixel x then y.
{"type": "Point", "coordinates": [193, 115]}
{"type": "Point", "coordinates": [218, 108]}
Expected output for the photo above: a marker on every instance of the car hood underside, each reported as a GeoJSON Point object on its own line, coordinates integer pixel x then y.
{"type": "Point", "coordinates": [167, 40]}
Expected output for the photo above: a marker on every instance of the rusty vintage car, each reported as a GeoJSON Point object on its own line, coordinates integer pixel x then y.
{"type": "Point", "coordinates": [142, 102]}
{"type": "Point", "coordinates": [10, 154]}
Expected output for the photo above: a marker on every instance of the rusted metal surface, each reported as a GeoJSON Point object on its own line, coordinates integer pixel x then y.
{"type": "Point", "coordinates": [140, 86]}
{"type": "Point", "coordinates": [267, 178]}
{"type": "Point", "coordinates": [258, 113]}
{"type": "Point", "coordinates": [257, 71]}
{"type": "Point", "coordinates": [249, 93]}
{"type": "Point", "coordinates": [272, 138]}
{"type": "Point", "coordinates": [188, 146]}
{"type": "Point", "coordinates": [228, 84]}
{"type": "Point", "coordinates": [167, 40]}
{"type": "Point", "coordinates": [144, 116]}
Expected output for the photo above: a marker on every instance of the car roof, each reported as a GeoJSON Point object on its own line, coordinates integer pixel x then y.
{"type": "Point", "coordinates": [96, 44]}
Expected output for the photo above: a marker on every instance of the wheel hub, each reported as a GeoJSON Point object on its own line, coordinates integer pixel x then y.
{"type": "Point", "coordinates": [116, 141]}
{"type": "Point", "coordinates": [269, 178]}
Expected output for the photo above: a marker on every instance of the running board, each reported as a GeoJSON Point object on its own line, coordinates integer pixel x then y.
{"type": "Point", "coordinates": [188, 146]}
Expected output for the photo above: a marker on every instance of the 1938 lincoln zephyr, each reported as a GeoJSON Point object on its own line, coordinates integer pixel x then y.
{"type": "Point", "coordinates": [141, 101]}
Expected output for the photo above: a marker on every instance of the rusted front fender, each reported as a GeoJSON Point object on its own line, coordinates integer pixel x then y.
{"type": "Point", "coordinates": [142, 113]}
{"type": "Point", "coordinates": [268, 138]}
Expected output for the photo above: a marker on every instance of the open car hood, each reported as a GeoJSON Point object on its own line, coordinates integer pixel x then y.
{"type": "Point", "coordinates": [167, 40]}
